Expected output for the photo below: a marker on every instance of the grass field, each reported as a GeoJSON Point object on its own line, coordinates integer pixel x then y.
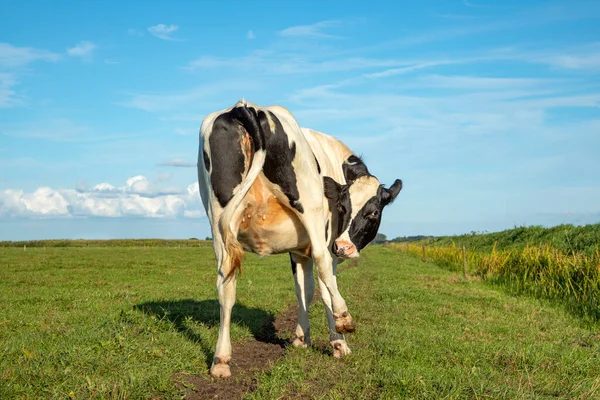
{"type": "Point", "coordinates": [127, 322]}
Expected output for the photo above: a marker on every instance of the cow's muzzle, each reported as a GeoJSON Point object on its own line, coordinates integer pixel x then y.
{"type": "Point", "coordinates": [345, 249]}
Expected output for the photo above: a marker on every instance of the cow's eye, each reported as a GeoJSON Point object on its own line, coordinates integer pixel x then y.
{"type": "Point", "coordinates": [373, 215]}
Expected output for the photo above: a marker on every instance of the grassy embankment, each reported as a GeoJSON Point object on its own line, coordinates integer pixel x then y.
{"type": "Point", "coordinates": [560, 263]}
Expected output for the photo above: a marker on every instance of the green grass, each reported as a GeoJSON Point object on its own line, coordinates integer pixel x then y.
{"type": "Point", "coordinates": [106, 243]}
{"type": "Point", "coordinates": [121, 322]}
{"type": "Point", "coordinates": [567, 238]}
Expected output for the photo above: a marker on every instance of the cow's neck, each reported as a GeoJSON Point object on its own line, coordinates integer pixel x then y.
{"type": "Point", "coordinates": [329, 152]}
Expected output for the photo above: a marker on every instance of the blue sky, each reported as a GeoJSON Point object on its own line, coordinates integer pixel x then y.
{"type": "Point", "coordinates": [488, 111]}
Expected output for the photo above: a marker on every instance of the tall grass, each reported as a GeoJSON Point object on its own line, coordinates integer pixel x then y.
{"type": "Point", "coordinates": [542, 271]}
{"type": "Point", "coordinates": [569, 239]}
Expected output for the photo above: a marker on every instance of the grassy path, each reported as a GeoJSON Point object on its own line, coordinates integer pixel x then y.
{"type": "Point", "coordinates": [123, 322]}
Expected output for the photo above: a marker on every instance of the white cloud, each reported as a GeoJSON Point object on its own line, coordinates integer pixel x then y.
{"type": "Point", "coordinates": [250, 35]}
{"type": "Point", "coordinates": [315, 30]}
{"type": "Point", "coordinates": [13, 57]}
{"type": "Point", "coordinates": [589, 62]}
{"type": "Point", "coordinates": [163, 31]}
{"type": "Point", "coordinates": [177, 162]}
{"type": "Point", "coordinates": [283, 63]}
{"type": "Point", "coordinates": [103, 187]}
{"type": "Point", "coordinates": [82, 49]}
{"type": "Point", "coordinates": [112, 62]}
{"type": "Point", "coordinates": [43, 202]}
{"type": "Point", "coordinates": [8, 96]}
{"type": "Point", "coordinates": [205, 96]}
{"type": "Point", "coordinates": [137, 198]}
{"type": "Point", "coordinates": [57, 129]}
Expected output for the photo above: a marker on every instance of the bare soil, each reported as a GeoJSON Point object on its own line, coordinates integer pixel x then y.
{"type": "Point", "coordinates": [251, 357]}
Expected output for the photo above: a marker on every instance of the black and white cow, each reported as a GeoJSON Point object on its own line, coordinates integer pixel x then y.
{"type": "Point", "coordinates": [270, 187]}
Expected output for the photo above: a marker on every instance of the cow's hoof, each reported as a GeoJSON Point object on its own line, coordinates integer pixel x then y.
{"type": "Point", "coordinates": [301, 342]}
{"type": "Point", "coordinates": [340, 348]}
{"type": "Point", "coordinates": [344, 323]}
{"type": "Point", "coordinates": [220, 369]}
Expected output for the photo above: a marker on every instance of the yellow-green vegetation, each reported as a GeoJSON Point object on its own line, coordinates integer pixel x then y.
{"type": "Point", "coordinates": [569, 239]}
{"type": "Point", "coordinates": [75, 322]}
{"type": "Point", "coordinates": [569, 274]}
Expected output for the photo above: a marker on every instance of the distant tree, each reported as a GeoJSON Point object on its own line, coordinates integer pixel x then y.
{"type": "Point", "coordinates": [379, 238]}
{"type": "Point", "coordinates": [208, 238]}
{"type": "Point", "coordinates": [193, 238]}
{"type": "Point", "coordinates": [401, 239]}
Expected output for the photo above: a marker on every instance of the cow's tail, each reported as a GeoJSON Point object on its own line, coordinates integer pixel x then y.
{"type": "Point", "coordinates": [254, 122]}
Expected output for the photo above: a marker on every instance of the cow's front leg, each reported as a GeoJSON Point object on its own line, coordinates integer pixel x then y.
{"type": "Point", "coordinates": [326, 266]}
{"type": "Point", "coordinates": [337, 340]}
{"type": "Point", "coordinates": [226, 288]}
{"type": "Point", "coordinates": [302, 268]}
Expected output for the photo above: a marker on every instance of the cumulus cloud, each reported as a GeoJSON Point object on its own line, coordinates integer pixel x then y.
{"type": "Point", "coordinates": [177, 162]}
{"type": "Point", "coordinates": [137, 198]}
{"type": "Point", "coordinates": [163, 31]}
{"type": "Point", "coordinates": [82, 49]}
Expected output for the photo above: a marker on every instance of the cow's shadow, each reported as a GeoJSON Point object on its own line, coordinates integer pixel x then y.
{"type": "Point", "coordinates": [207, 312]}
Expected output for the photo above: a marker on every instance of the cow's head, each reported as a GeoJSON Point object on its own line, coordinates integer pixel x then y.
{"type": "Point", "coordinates": [358, 205]}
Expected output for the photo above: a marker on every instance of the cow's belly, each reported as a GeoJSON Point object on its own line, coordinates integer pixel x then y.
{"type": "Point", "coordinates": [267, 226]}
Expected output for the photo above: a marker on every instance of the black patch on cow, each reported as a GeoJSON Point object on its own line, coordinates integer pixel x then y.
{"type": "Point", "coordinates": [388, 195]}
{"type": "Point", "coordinates": [294, 264]}
{"type": "Point", "coordinates": [366, 222]}
{"type": "Point", "coordinates": [354, 168]}
{"type": "Point", "coordinates": [206, 160]}
{"type": "Point", "coordinates": [327, 231]}
{"type": "Point", "coordinates": [226, 150]}
{"type": "Point", "coordinates": [318, 166]}
{"type": "Point", "coordinates": [227, 157]}
{"type": "Point", "coordinates": [278, 163]}
{"type": "Point", "coordinates": [339, 203]}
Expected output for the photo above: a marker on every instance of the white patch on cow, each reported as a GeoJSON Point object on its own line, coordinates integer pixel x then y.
{"type": "Point", "coordinates": [272, 126]}
{"type": "Point", "coordinates": [361, 191]}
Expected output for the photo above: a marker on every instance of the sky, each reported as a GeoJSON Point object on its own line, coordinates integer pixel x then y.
{"type": "Point", "coordinates": [489, 111]}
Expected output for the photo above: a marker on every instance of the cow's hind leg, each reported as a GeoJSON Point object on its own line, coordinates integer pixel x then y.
{"type": "Point", "coordinates": [226, 286]}
{"type": "Point", "coordinates": [302, 268]}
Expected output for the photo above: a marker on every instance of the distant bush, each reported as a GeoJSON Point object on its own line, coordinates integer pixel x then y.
{"type": "Point", "coordinates": [403, 239]}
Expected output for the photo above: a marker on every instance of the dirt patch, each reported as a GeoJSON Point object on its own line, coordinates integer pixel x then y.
{"type": "Point", "coordinates": [250, 358]}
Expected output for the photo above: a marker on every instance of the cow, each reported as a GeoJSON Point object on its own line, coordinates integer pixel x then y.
{"type": "Point", "coordinates": [270, 187]}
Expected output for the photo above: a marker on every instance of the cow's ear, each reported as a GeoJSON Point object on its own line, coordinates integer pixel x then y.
{"type": "Point", "coordinates": [354, 168]}
{"type": "Point", "coordinates": [332, 188]}
{"type": "Point", "coordinates": [388, 195]}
